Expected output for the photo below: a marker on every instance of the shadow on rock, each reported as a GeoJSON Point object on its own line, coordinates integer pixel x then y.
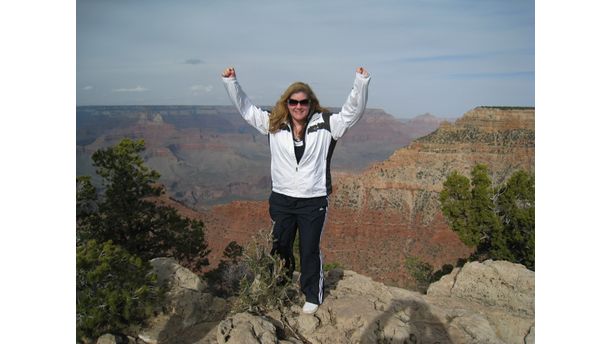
{"type": "Point", "coordinates": [331, 281]}
{"type": "Point", "coordinates": [406, 321]}
{"type": "Point", "coordinates": [175, 333]}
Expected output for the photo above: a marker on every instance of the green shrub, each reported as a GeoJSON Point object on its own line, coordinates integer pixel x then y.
{"type": "Point", "coordinates": [115, 290]}
{"type": "Point", "coordinates": [331, 266]}
{"type": "Point", "coordinates": [422, 272]}
{"type": "Point", "coordinates": [498, 222]}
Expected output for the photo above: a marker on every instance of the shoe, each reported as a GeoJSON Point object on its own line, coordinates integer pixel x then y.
{"type": "Point", "coordinates": [310, 308]}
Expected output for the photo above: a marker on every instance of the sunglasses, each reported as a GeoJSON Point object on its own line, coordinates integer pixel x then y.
{"type": "Point", "coordinates": [293, 102]}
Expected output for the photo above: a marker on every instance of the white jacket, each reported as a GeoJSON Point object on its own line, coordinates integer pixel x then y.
{"type": "Point", "coordinates": [310, 177]}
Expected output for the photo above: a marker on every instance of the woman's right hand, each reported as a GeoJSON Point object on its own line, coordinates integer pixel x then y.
{"type": "Point", "coordinates": [229, 73]}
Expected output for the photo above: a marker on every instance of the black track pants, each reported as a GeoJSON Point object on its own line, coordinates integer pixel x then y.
{"type": "Point", "coordinates": [308, 215]}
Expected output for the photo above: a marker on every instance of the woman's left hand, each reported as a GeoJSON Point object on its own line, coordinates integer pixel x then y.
{"type": "Point", "coordinates": [363, 71]}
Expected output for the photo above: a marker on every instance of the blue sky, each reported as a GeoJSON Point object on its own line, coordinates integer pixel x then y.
{"type": "Point", "coordinates": [443, 56]}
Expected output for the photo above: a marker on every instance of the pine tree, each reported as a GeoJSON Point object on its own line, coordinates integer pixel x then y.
{"type": "Point", "coordinates": [499, 223]}
{"type": "Point", "coordinates": [516, 209]}
{"type": "Point", "coordinates": [127, 215]}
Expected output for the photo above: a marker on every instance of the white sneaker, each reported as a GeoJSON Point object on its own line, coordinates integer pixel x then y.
{"type": "Point", "coordinates": [310, 308]}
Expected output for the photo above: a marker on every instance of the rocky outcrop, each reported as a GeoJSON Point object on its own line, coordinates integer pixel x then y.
{"type": "Point", "coordinates": [490, 302]}
{"type": "Point", "coordinates": [189, 312]}
{"type": "Point", "coordinates": [499, 292]}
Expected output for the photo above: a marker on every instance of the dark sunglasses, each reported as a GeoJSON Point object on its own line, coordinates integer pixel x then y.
{"type": "Point", "coordinates": [293, 102]}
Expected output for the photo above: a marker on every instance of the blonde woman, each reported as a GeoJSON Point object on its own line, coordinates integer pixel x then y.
{"type": "Point", "coordinates": [302, 137]}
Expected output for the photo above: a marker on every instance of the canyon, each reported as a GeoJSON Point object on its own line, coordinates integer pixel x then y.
{"type": "Point", "coordinates": [390, 211]}
{"type": "Point", "coordinates": [384, 208]}
{"type": "Point", "coordinates": [208, 155]}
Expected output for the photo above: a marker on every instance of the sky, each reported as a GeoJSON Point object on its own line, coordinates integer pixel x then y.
{"type": "Point", "coordinates": [443, 57]}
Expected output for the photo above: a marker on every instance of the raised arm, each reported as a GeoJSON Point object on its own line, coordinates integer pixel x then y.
{"type": "Point", "coordinates": [252, 114]}
{"type": "Point", "coordinates": [353, 107]}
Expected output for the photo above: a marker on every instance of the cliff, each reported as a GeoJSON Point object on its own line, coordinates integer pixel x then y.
{"type": "Point", "coordinates": [391, 210]}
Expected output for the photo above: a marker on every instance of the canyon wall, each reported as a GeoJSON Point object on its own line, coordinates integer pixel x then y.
{"type": "Point", "coordinates": [391, 210]}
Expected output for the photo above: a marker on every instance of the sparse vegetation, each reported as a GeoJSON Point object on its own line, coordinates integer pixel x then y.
{"type": "Point", "coordinates": [331, 266]}
{"type": "Point", "coordinates": [422, 272]}
{"type": "Point", "coordinates": [224, 281]}
{"type": "Point", "coordinates": [265, 285]}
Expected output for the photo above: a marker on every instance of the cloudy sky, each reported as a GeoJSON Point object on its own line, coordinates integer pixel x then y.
{"type": "Point", "coordinates": [443, 56]}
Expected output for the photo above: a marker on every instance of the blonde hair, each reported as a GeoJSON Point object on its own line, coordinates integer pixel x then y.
{"type": "Point", "coordinates": [280, 113]}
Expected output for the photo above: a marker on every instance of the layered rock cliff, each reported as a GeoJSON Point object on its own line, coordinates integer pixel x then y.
{"type": "Point", "coordinates": [391, 211]}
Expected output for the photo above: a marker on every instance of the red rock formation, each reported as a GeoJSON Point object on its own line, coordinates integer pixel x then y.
{"type": "Point", "coordinates": [391, 211]}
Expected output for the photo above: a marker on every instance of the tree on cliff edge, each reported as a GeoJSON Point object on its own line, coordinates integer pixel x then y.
{"type": "Point", "coordinates": [498, 222]}
{"type": "Point", "coordinates": [126, 214]}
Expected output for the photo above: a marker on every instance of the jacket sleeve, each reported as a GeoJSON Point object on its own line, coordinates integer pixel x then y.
{"type": "Point", "coordinates": [353, 108]}
{"type": "Point", "coordinates": [255, 116]}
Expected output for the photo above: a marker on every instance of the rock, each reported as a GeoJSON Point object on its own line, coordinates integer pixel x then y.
{"type": "Point", "coordinates": [244, 328]}
{"type": "Point", "coordinates": [489, 300]}
{"type": "Point", "coordinates": [473, 328]}
{"type": "Point", "coordinates": [530, 339]}
{"type": "Point", "coordinates": [472, 304]}
{"type": "Point", "coordinates": [187, 308]}
{"type": "Point", "coordinates": [492, 283]}
{"type": "Point", "coordinates": [108, 339]}
{"type": "Point", "coordinates": [171, 273]}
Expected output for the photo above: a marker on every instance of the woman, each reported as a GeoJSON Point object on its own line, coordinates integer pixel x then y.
{"type": "Point", "coordinates": [302, 138]}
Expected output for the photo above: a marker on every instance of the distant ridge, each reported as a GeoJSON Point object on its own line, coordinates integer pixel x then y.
{"type": "Point", "coordinates": [209, 155]}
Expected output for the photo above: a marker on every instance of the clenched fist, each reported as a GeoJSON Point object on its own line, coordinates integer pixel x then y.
{"type": "Point", "coordinates": [229, 73]}
{"type": "Point", "coordinates": [363, 71]}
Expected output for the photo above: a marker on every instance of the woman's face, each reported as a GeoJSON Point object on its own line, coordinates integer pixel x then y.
{"type": "Point", "coordinates": [299, 104]}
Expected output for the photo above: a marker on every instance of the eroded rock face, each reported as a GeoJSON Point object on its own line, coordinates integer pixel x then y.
{"type": "Point", "coordinates": [490, 302]}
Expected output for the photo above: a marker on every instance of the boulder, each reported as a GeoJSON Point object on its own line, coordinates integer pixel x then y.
{"type": "Point", "coordinates": [188, 311]}
{"type": "Point", "coordinates": [493, 299]}
{"type": "Point", "coordinates": [108, 339]}
{"type": "Point", "coordinates": [491, 283]}
{"type": "Point", "coordinates": [245, 328]}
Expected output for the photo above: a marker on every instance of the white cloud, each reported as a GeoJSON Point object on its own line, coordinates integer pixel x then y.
{"type": "Point", "coordinates": [88, 88]}
{"type": "Point", "coordinates": [201, 88]}
{"type": "Point", "coordinates": [193, 61]}
{"type": "Point", "coordinates": [135, 89]}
